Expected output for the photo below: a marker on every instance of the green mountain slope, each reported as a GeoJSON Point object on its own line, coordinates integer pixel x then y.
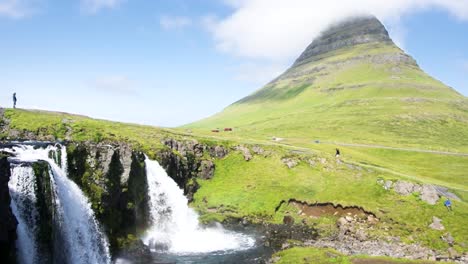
{"type": "Point", "coordinates": [352, 84]}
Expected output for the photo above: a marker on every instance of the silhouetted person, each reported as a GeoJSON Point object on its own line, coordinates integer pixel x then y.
{"type": "Point", "coordinates": [14, 100]}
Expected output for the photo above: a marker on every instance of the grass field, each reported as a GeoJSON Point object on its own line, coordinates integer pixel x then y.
{"type": "Point", "coordinates": [329, 256]}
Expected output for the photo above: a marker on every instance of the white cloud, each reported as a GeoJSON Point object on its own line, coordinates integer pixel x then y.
{"type": "Point", "coordinates": [94, 6]}
{"type": "Point", "coordinates": [174, 22]}
{"type": "Point", "coordinates": [16, 8]}
{"type": "Point", "coordinates": [115, 84]}
{"type": "Point", "coordinates": [281, 29]}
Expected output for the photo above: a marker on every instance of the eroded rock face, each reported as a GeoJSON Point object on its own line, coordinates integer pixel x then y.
{"type": "Point", "coordinates": [345, 34]}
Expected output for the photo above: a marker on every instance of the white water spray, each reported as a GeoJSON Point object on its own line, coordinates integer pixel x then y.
{"type": "Point", "coordinates": [23, 198]}
{"type": "Point", "coordinates": [83, 241]}
{"type": "Point", "coordinates": [175, 226]}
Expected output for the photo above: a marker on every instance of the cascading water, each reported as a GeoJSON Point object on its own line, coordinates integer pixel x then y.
{"type": "Point", "coordinates": [175, 226]}
{"type": "Point", "coordinates": [82, 239]}
{"type": "Point", "coordinates": [23, 199]}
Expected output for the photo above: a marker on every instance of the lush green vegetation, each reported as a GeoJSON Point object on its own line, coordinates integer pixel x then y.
{"type": "Point", "coordinates": [355, 95]}
{"type": "Point", "coordinates": [350, 96]}
{"type": "Point", "coordinates": [254, 189]}
{"type": "Point", "coordinates": [310, 255]}
{"type": "Point", "coordinates": [64, 126]}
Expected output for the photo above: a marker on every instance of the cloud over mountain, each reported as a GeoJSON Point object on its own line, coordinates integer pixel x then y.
{"type": "Point", "coordinates": [280, 29]}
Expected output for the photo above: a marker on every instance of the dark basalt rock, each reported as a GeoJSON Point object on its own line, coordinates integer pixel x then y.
{"type": "Point", "coordinates": [348, 33]}
{"type": "Point", "coordinates": [276, 235]}
{"type": "Point", "coordinates": [8, 222]}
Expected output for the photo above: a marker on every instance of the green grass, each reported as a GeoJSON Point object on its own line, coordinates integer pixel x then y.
{"type": "Point", "coordinates": [255, 188]}
{"type": "Point", "coordinates": [348, 97]}
{"type": "Point", "coordinates": [348, 100]}
{"type": "Point", "coordinates": [309, 255]}
{"type": "Point", "coordinates": [64, 126]}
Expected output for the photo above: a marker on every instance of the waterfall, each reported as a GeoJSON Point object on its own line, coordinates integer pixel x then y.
{"type": "Point", "coordinates": [82, 241]}
{"type": "Point", "coordinates": [175, 226]}
{"type": "Point", "coordinates": [23, 199]}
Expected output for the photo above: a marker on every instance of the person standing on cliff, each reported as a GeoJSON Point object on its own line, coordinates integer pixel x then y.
{"type": "Point", "coordinates": [14, 100]}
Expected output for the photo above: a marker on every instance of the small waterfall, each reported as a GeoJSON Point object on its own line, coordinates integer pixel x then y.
{"type": "Point", "coordinates": [82, 241]}
{"type": "Point", "coordinates": [175, 225]}
{"type": "Point", "coordinates": [23, 198]}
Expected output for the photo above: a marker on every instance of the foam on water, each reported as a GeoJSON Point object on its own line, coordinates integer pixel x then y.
{"type": "Point", "coordinates": [175, 226]}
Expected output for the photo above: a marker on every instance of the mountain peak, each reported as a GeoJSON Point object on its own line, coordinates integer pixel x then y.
{"type": "Point", "coordinates": [350, 32]}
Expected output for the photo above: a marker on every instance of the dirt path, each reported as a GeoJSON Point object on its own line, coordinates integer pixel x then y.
{"type": "Point", "coordinates": [395, 148]}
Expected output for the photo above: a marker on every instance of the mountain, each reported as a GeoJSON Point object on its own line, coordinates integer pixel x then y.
{"type": "Point", "coordinates": [352, 84]}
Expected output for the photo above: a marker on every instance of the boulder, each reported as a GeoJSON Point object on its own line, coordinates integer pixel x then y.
{"type": "Point", "coordinates": [341, 221]}
{"type": "Point", "coordinates": [291, 163]}
{"type": "Point", "coordinates": [288, 220]}
{"type": "Point", "coordinates": [429, 194]}
{"type": "Point", "coordinates": [452, 253]}
{"type": "Point", "coordinates": [448, 238]}
{"type": "Point", "coordinates": [206, 169]}
{"type": "Point", "coordinates": [245, 152]}
{"type": "Point", "coordinates": [258, 150]}
{"type": "Point", "coordinates": [403, 187]}
{"type": "Point", "coordinates": [436, 224]}
{"type": "Point", "coordinates": [311, 162]}
{"type": "Point", "coordinates": [218, 152]}
{"type": "Point", "coordinates": [388, 185]}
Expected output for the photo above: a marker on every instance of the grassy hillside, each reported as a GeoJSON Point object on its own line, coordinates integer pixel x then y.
{"type": "Point", "coordinates": [371, 100]}
{"type": "Point", "coordinates": [64, 126]}
{"type": "Point", "coordinates": [360, 94]}
{"type": "Point", "coordinates": [254, 189]}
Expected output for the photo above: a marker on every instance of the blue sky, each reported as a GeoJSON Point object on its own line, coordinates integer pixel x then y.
{"type": "Point", "coordinates": [170, 62]}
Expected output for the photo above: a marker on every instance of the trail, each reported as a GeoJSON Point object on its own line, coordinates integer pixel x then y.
{"type": "Point", "coordinates": [396, 148]}
{"type": "Point", "coordinates": [412, 177]}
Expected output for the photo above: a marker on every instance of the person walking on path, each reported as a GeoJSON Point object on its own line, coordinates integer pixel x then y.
{"type": "Point", "coordinates": [14, 100]}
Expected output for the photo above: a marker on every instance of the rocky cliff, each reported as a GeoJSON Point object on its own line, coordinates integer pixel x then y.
{"type": "Point", "coordinates": [113, 176]}
{"type": "Point", "coordinates": [8, 221]}
{"type": "Point", "coordinates": [347, 33]}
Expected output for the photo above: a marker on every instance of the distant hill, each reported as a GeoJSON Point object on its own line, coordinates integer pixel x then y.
{"type": "Point", "coordinates": [352, 84]}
